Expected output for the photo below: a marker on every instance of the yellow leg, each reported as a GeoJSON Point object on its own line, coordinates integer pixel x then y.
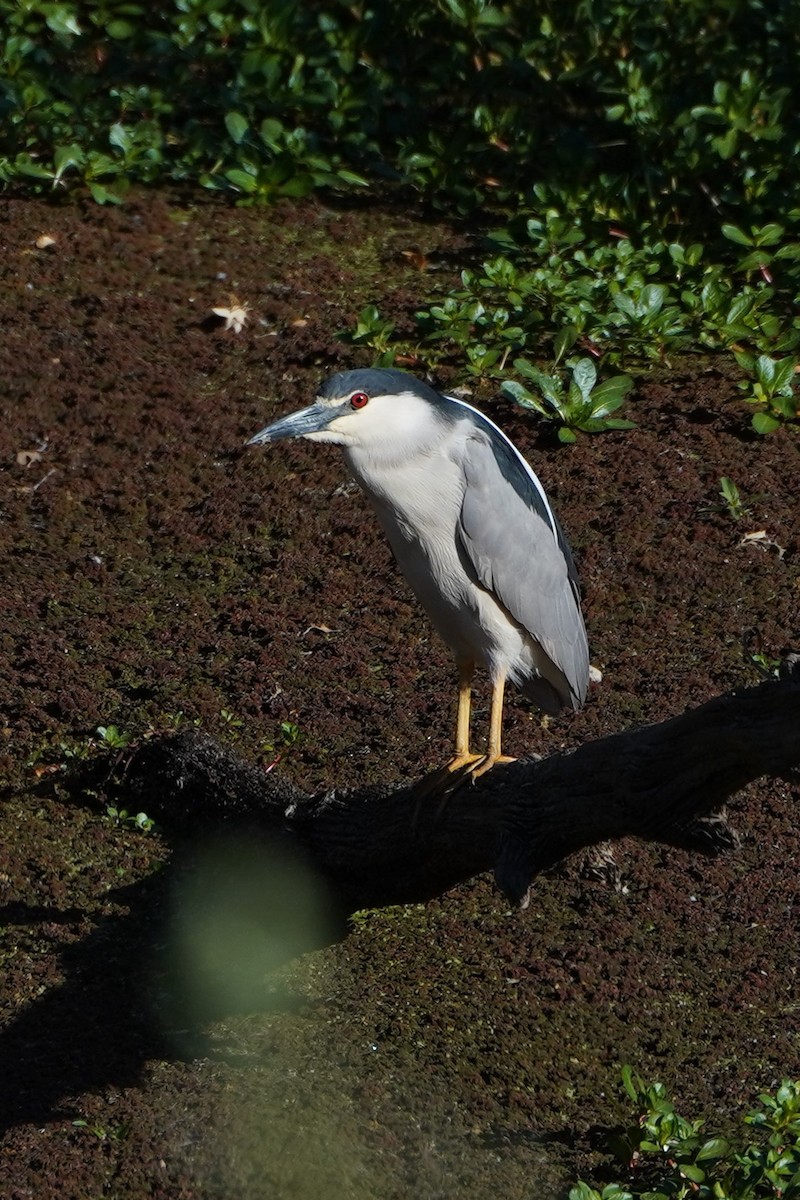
{"type": "Point", "coordinates": [448, 777]}
{"type": "Point", "coordinates": [465, 765]}
{"type": "Point", "coordinates": [462, 754]}
{"type": "Point", "coordinates": [494, 756]}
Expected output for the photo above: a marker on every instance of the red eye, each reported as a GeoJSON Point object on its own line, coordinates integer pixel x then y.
{"type": "Point", "coordinates": [359, 400]}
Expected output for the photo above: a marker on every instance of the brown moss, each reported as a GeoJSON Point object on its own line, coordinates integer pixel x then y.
{"type": "Point", "coordinates": [152, 567]}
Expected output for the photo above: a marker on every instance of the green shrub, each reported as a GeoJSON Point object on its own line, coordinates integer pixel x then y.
{"type": "Point", "coordinates": [669, 1158]}
{"type": "Point", "coordinates": [637, 160]}
{"type": "Point", "coordinates": [642, 110]}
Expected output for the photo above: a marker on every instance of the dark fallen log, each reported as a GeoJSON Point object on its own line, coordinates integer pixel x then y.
{"type": "Point", "coordinates": [381, 845]}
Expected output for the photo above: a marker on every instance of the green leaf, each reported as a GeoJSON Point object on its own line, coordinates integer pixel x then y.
{"type": "Point", "coordinates": [566, 435]}
{"type": "Point", "coordinates": [62, 21]}
{"type": "Point", "coordinates": [754, 261]}
{"type": "Point", "coordinates": [717, 1147]}
{"type": "Point", "coordinates": [609, 406]}
{"type": "Point", "coordinates": [271, 133]}
{"type": "Point", "coordinates": [726, 145]}
{"type": "Point", "coordinates": [740, 308]}
{"type": "Point", "coordinates": [631, 1082]}
{"type": "Point", "coordinates": [765, 371]}
{"type": "Point", "coordinates": [581, 1191]}
{"type": "Point", "coordinates": [65, 157]}
{"type": "Point", "coordinates": [611, 392]}
{"type": "Point", "coordinates": [746, 360]}
{"type": "Point", "coordinates": [527, 369]}
{"type": "Point", "coordinates": [784, 374]}
{"type": "Point", "coordinates": [764, 423]}
{"type": "Point", "coordinates": [652, 298]}
{"type": "Point", "coordinates": [242, 180]}
{"type": "Point", "coordinates": [120, 137]}
{"type": "Point", "coordinates": [299, 185]}
{"type": "Point", "coordinates": [626, 305]}
{"type": "Point", "coordinates": [237, 126]}
{"type": "Point", "coordinates": [104, 195]}
{"type": "Point", "coordinates": [120, 29]}
{"type": "Point", "coordinates": [564, 341]}
{"type": "Point", "coordinates": [26, 166]}
{"type": "Point", "coordinates": [521, 396]}
{"type": "Point", "coordinates": [348, 176]}
{"type": "Point", "coordinates": [768, 235]}
{"type": "Point", "coordinates": [493, 17]}
{"type": "Point", "coordinates": [786, 405]}
{"type": "Point", "coordinates": [734, 234]}
{"type": "Point", "coordinates": [584, 375]}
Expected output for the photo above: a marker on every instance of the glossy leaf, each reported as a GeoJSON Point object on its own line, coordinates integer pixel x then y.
{"type": "Point", "coordinates": [237, 126]}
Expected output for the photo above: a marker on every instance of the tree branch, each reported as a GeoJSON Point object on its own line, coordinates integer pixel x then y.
{"type": "Point", "coordinates": [381, 845]}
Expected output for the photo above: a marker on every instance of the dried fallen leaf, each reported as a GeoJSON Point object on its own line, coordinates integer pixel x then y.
{"type": "Point", "coordinates": [234, 316]}
{"type": "Point", "coordinates": [26, 458]}
{"type": "Point", "coordinates": [760, 538]}
{"type": "Point", "coordinates": [416, 258]}
{"type": "Point", "coordinates": [44, 241]}
{"type": "Point", "coordinates": [409, 360]}
{"type": "Point", "coordinates": [46, 769]}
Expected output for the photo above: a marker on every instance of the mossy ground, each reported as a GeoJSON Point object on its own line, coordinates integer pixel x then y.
{"type": "Point", "coordinates": [156, 571]}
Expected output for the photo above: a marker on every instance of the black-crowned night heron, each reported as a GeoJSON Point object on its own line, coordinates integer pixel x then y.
{"type": "Point", "coordinates": [473, 532]}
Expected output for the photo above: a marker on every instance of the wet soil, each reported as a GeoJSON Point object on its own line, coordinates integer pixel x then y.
{"type": "Point", "coordinates": [156, 574]}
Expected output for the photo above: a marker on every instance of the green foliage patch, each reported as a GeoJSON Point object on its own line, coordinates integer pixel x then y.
{"type": "Point", "coordinates": [629, 112]}
{"type": "Point", "coordinates": [670, 1158]}
{"type": "Point", "coordinates": [581, 404]}
{"type": "Point", "coordinates": [636, 162]}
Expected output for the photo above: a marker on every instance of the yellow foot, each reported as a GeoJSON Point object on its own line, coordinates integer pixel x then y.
{"type": "Point", "coordinates": [457, 771]}
{"type": "Point", "coordinates": [491, 761]}
{"type": "Point", "coordinates": [447, 778]}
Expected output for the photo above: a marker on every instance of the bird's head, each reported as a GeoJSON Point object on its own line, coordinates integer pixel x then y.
{"type": "Point", "coordinates": [373, 410]}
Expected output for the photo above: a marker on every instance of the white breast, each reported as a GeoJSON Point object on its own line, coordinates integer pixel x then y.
{"type": "Point", "coordinates": [418, 505]}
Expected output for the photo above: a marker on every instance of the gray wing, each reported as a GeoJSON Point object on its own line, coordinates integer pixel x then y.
{"type": "Point", "coordinates": [515, 545]}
